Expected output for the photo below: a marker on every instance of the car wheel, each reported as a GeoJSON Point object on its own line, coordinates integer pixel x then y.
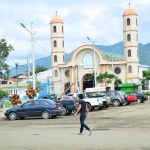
{"type": "Point", "coordinates": [126, 103]}
{"type": "Point", "coordinates": [89, 106]}
{"type": "Point", "coordinates": [106, 105]}
{"type": "Point", "coordinates": [69, 112]}
{"type": "Point", "coordinates": [64, 111]}
{"type": "Point", "coordinates": [139, 100]}
{"type": "Point", "coordinates": [45, 115]}
{"type": "Point", "coordinates": [116, 103]}
{"type": "Point", "coordinates": [12, 116]}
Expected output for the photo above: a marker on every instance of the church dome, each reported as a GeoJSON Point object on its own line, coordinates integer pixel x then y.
{"type": "Point", "coordinates": [56, 19]}
{"type": "Point", "coordinates": [129, 11]}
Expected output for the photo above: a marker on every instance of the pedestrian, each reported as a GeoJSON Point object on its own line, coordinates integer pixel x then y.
{"type": "Point", "coordinates": [83, 110]}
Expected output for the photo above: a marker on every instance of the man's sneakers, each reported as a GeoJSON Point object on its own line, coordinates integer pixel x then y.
{"type": "Point", "coordinates": [90, 132]}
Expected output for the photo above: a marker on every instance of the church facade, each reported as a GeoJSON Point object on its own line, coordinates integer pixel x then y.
{"type": "Point", "coordinates": [76, 74]}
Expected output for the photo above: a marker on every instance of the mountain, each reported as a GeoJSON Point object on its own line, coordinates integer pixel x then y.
{"type": "Point", "coordinates": [144, 57]}
{"type": "Point", "coordinates": [144, 51]}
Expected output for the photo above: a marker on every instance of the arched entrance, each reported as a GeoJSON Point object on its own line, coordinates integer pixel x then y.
{"type": "Point", "coordinates": [67, 88]}
{"type": "Point", "coordinates": [88, 81]}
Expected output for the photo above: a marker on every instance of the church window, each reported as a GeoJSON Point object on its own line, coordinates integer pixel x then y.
{"type": "Point", "coordinates": [54, 29]}
{"type": "Point", "coordinates": [55, 58]}
{"type": "Point", "coordinates": [63, 43]}
{"type": "Point", "coordinates": [62, 29]}
{"type": "Point", "coordinates": [130, 69]}
{"type": "Point", "coordinates": [128, 21]}
{"type": "Point", "coordinates": [56, 73]}
{"type": "Point", "coordinates": [55, 43]}
{"type": "Point", "coordinates": [129, 53]}
{"type": "Point", "coordinates": [137, 53]}
{"type": "Point", "coordinates": [136, 37]}
{"type": "Point", "coordinates": [128, 37]}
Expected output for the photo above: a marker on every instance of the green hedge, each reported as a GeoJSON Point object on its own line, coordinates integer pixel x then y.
{"type": "Point", "coordinates": [3, 94]}
{"type": "Point", "coordinates": [147, 93]}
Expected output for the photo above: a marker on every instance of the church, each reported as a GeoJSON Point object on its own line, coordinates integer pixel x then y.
{"type": "Point", "coordinates": [88, 60]}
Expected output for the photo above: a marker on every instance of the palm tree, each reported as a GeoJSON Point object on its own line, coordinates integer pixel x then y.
{"type": "Point", "coordinates": [105, 78]}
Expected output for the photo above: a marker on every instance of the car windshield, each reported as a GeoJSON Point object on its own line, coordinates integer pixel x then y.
{"type": "Point", "coordinates": [94, 94]}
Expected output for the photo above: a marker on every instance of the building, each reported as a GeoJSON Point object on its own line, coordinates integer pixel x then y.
{"type": "Point", "coordinates": [76, 74]}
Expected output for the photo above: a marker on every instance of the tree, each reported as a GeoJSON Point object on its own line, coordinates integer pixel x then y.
{"type": "Point", "coordinates": [5, 50]}
{"type": "Point", "coordinates": [40, 69]}
{"type": "Point", "coordinates": [105, 78]}
{"type": "Point", "coordinates": [146, 74]}
{"type": "Point", "coordinates": [38, 86]}
{"type": "Point", "coordinates": [3, 94]}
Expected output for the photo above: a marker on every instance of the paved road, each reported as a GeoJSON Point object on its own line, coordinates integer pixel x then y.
{"type": "Point", "coordinates": [122, 128]}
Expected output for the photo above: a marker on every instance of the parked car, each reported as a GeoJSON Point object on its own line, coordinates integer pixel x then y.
{"type": "Point", "coordinates": [95, 100]}
{"type": "Point", "coordinates": [117, 98]}
{"type": "Point", "coordinates": [72, 94]}
{"type": "Point", "coordinates": [49, 96]}
{"type": "Point", "coordinates": [141, 97]}
{"type": "Point", "coordinates": [131, 98]}
{"type": "Point", "coordinates": [69, 103]}
{"type": "Point", "coordinates": [37, 108]}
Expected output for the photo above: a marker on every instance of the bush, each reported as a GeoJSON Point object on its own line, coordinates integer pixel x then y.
{"type": "Point", "coordinates": [31, 93]}
{"type": "Point", "coordinates": [15, 99]}
{"type": "Point", "coordinates": [3, 94]}
{"type": "Point", "coordinates": [147, 93]}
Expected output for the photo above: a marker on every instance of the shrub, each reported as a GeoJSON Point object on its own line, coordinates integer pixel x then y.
{"type": "Point", "coordinates": [3, 94]}
{"type": "Point", "coordinates": [147, 93]}
{"type": "Point", "coordinates": [31, 93]}
{"type": "Point", "coordinates": [15, 99]}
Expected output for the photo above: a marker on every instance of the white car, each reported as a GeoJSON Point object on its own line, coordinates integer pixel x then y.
{"type": "Point", "coordinates": [95, 100]}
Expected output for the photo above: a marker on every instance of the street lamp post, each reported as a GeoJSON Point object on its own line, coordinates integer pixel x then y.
{"type": "Point", "coordinates": [16, 66]}
{"type": "Point", "coordinates": [94, 65]}
{"type": "Point", "coordinates": [112, 67]}
{"type": "Point", "coordinates": [33, 53]}
{"type": "Point", "coordinates": [78, 66]}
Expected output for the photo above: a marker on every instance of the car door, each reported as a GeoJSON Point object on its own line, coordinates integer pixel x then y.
{"type": "Point", "coordinates": [24, 110]}
{"type": "Point", "coordinates": [36, 109]}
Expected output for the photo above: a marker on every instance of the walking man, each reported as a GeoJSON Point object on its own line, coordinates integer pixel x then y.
{"type": "Point", "coordinates": [83, 110]}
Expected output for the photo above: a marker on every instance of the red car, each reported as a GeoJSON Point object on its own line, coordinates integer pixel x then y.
{"type": "Point", "coordinates": [131, 98]}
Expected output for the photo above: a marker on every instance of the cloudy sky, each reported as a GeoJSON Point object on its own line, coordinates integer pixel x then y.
{"type": "Point", "coordinates": [101, 20]}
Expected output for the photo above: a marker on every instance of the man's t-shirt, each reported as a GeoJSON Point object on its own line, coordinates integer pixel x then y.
{"type": "Point", "coordinates": [83, 106]}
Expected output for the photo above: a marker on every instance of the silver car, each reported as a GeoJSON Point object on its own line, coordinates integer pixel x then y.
{"type": "Point", "coordinates": [117, 98]}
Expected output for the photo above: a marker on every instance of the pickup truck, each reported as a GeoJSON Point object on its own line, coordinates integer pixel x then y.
{"type": "Point", "coordinates": [95, 100]}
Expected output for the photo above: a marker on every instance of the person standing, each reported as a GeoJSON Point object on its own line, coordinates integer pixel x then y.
{"type": "Point", "coordinates": [83, 110]}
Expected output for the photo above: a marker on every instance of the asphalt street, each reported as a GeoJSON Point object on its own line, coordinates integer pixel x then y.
{"type": "Point", "coordinates": [121, 128]}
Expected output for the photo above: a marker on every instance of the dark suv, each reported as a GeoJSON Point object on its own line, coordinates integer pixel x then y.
{"type": "Point", "coordinates": [69, 103]}
{"type": "Point", "coordinates": [141, 97]}
{"type": "Point", "coordinates": [117, 98]}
